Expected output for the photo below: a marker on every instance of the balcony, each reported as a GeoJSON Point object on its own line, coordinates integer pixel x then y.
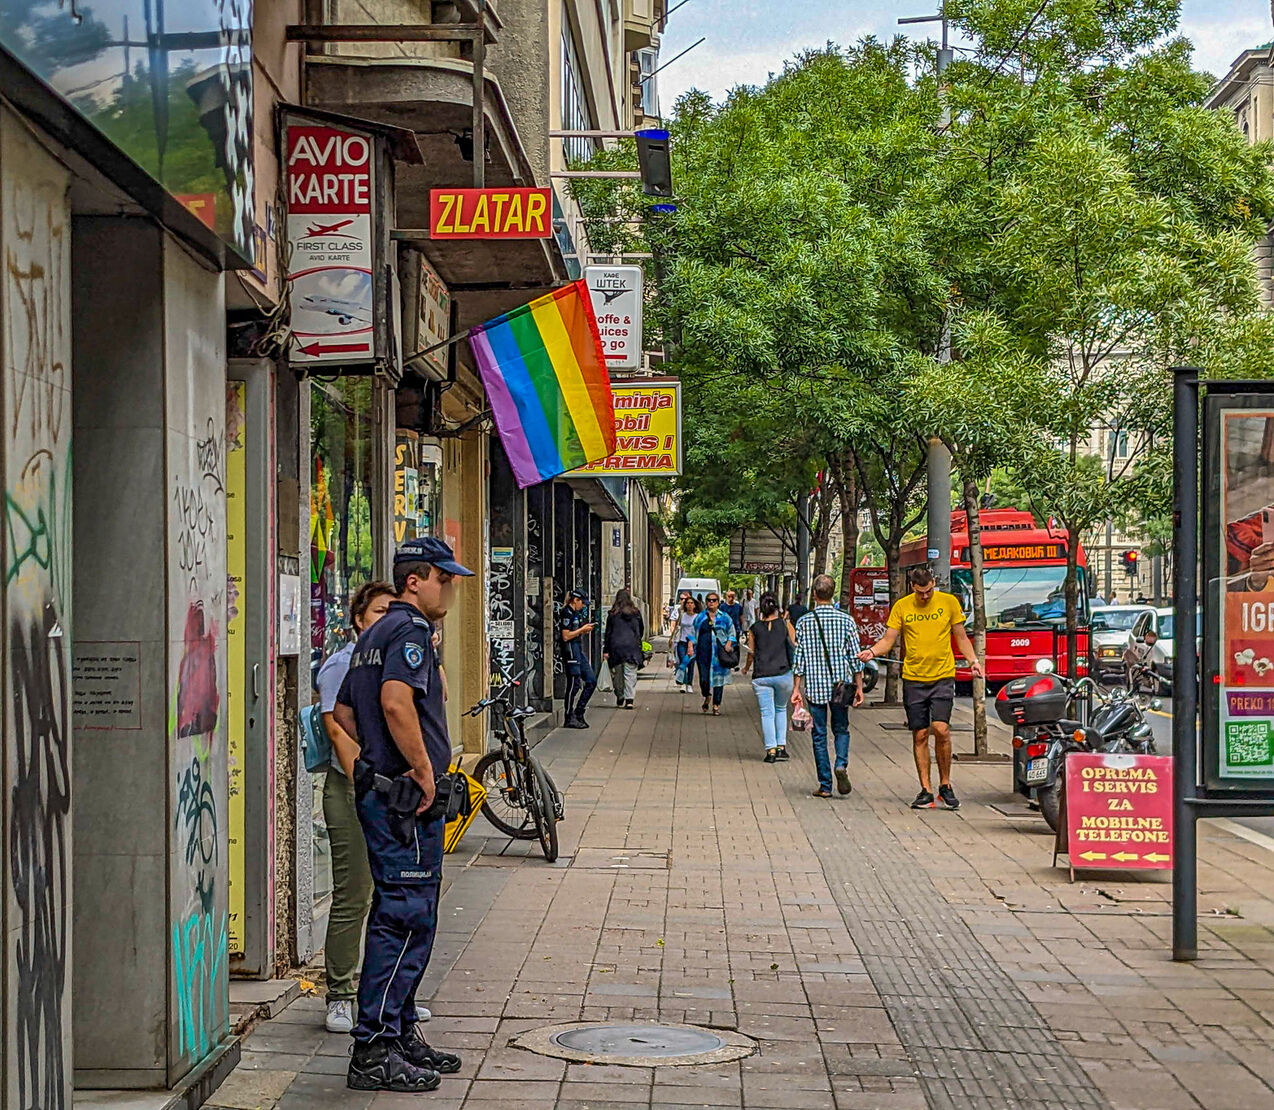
{"type": "Point", "coordinates": [643, 21]}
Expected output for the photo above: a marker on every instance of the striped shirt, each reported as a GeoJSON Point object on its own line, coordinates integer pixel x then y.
{"type": "Point", "coordinates": [840, 633]}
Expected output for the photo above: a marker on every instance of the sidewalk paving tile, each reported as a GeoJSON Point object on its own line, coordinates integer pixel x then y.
{"type": "Point", "coordinates": [883, 958]}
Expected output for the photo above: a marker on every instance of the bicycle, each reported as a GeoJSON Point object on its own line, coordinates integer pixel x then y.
{"type": "Point", "coordinates": [522, 799]}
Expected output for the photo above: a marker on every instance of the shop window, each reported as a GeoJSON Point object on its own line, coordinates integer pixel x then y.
{"type": "Point", "coordinates": [342, 425]}
{"type": "Point", "coordinates": [575, 111]}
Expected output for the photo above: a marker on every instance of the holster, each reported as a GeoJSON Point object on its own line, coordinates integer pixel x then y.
{"type": "Point", "coordinates": [403, 794]}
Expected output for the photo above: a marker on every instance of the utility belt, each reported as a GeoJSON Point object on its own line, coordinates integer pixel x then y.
{"type": "Point", "coordinates": [403, 795]}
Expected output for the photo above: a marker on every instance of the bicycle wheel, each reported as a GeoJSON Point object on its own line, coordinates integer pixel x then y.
{"type": "Point", "coordinates": [544, 811]}
{"type": "Point", "coordinates": [559, 805]}
{"type": "Point", "coordinates": [505, 805]}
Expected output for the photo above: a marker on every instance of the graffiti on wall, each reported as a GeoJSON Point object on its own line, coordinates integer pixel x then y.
{"type": "Point", "coordinates": [534, 599]}
{"type": "Point", "coordinates": [35, 660]}
{"type": "Point", "coordinates": [236, 675]}
{"type": "Point", "coordinates": [200, 603]}
{"type": "Point", "coordinates": [39, 848]}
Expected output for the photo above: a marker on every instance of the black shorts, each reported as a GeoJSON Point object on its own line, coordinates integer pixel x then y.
{"type": "Point", "coordinates": [926, 702]}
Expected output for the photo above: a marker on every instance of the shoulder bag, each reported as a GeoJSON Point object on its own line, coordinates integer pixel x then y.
{"type": "Point", "coordinates": [727, 654]}
{"type": "Point", "coordinates": [842, 695]}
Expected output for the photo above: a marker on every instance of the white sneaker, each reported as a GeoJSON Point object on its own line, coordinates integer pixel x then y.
{"type": "Point", "coordinates": [340, 1016]}
{"type": "Point", "coordinates": [423, 1013]}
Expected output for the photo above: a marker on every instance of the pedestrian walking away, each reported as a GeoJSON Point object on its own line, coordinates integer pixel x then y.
{"type": "Point", "coordinates": [351, 876]}
{"type": "Point", "coordinates": [771, 645]}
{"type": "Point", "coordinates": [928, 619]}
{"type": "Point", "coordinates": [715, 637]}
{"type": "Point", "coordinates": [391, 703]}
{"type": "Point", "coordinates": [621, 647]}
{"type": "Point", "coordinates": [747, 618]}
{"type": "Point", "coordinates": [581, 680]}
{"type": "Point", "coordinates": [829, 679]}
{"type": "Point", "coordinates": [796, 610]}
{"type": "Point", "coordinates": [734, 610]}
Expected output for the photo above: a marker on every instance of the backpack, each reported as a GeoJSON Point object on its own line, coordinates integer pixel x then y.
{"type": "Point", "coordinates": [315, 742]}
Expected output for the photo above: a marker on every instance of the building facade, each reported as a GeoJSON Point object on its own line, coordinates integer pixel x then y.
{"type": "Point", "coordinates": [1247, 93]}
{"type": "Point", "coordinates": [188, 504]}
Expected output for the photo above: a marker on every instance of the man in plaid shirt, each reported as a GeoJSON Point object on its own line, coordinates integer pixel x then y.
{"type": "Point", "coordinates": [827, 650]}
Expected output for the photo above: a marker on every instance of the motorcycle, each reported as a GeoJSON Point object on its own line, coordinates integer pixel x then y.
{"type": "Point", "coordinates": [1037, 708]}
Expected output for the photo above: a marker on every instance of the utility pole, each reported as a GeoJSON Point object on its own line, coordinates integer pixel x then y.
{"type": "Point", "coordinates": [938, 458]}
{"type": "Point", "coordinates": [803, 548]}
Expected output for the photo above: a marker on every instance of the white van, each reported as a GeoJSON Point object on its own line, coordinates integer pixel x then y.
{"type": "Point", "coordinates": [698, 588]}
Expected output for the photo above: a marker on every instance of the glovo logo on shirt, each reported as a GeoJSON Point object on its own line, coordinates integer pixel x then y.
{"type": "Point", "coordinates": [937, 614]}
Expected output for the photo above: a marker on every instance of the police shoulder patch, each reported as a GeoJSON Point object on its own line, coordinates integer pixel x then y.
{"type": "Point", "coordinates": [414, 654]}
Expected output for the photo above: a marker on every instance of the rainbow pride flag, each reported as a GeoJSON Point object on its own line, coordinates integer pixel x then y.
{"type": "Point", "coordinates": [543, 370]}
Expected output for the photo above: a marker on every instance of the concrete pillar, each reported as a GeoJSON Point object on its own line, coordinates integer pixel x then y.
{"type": "Point", "coordinates": [468, 618]}
{"type": "Point", "coordinates": [151, 874]}
{"type": "Point", "coordinates": [539, 596]}
{"type": "Point", "coordinates": [506, 569]}
{"type": "Point", "coordinates": [563, 570]}
{"type": "Point", "coordinates": [36, 843]}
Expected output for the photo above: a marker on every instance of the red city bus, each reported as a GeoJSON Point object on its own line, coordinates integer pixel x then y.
{"type": "Point", "coordinates": [1024, 572]}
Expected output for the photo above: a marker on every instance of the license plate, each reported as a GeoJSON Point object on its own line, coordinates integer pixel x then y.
{"type": "Point", "coordinates": [1037, 770]}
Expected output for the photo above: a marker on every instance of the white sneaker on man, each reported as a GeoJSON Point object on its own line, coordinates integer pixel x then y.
{"type": "Point", "coordinates": [340, 1016]}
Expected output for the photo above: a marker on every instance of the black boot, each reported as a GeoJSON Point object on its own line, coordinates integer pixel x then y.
{"type": "Point", "coordinates": [416, 1050]}
{"type": "Point", "coordinates": [381, 1066]}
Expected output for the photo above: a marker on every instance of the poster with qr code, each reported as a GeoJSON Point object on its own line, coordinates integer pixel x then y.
{"type": "Point", "coordinates": [1237, 657]}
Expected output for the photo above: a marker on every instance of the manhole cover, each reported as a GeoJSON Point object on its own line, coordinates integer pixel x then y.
{"type": "Point", "coordinates": [638, 1040]}
{"type": "Point", "coordinates": [636, 1045]}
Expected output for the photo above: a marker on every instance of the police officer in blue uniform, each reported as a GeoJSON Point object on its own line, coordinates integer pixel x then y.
{"type": "Point", "coordinates": [581, 680]}
{"type": "Point", "coordinates": [392, 702]}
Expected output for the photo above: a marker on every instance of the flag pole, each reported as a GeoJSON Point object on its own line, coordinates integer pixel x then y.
{"type": "Point", "coordinates": [437, 346]}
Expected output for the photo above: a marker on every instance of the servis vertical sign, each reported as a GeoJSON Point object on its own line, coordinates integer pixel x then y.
{"type": "Point", "coordinates": [330, 228]}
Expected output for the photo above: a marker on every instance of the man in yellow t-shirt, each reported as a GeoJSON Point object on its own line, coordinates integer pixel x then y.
{"type": "Point", "coordinates": [928, 619]}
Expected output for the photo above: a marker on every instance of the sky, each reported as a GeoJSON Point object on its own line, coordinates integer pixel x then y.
{"type": "Point", "coordinates": [749, 39]}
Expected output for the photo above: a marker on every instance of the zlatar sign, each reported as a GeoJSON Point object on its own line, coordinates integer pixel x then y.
{"type": "Point", "coordinates": [490, 214]}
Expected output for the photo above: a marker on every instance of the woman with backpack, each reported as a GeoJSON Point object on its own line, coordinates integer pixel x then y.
{"type": "Point", "coordinates": [771, 642]}
{"type": "Point", "coordinates": [351, 873]}
{"type": "Point", "coordinates": [716, 648]}
{"type": "Point", "coordinates": [621, 647]}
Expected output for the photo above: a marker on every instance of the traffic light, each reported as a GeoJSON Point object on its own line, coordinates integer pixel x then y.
{"type": "Point", "coordinates": [1129, 560]}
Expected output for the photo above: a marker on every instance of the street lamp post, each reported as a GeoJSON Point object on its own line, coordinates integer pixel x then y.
{"type": "Point", "coordinates": [938, 458]}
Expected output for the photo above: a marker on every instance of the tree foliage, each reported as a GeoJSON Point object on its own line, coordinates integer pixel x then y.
{"type": "Point", "coordinates": [1075, 224]}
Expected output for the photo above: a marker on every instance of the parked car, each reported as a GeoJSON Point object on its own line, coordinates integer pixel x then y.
{"type": "Point", "coordinates": [699, 588]}
{"type": "Point", "coordinates": [1161, 655]}
{"type": "Point", "coordinates": [1111, 627]}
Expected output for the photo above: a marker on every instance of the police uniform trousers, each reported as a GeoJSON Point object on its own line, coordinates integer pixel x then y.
{"type": "Point", "coordinates": [402, 923]}
{"type": "Point", "coordinates": [581, 681]}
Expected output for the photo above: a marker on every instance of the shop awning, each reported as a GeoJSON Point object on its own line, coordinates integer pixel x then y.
{"type": "Point", "coordinates": [604, 496]}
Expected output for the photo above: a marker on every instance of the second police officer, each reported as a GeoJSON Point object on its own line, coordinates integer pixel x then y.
{"type": "Point", "coordinates": [581, 680]}
{"type": "Point", "coordinates": [392, 702]}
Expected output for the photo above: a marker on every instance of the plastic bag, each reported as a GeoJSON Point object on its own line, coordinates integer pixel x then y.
{"type": "Point", "coordinates": [800, 719]}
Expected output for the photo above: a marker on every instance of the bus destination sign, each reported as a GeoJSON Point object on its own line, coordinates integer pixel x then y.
{"type": "Point", "coordinates": [1018, 552]}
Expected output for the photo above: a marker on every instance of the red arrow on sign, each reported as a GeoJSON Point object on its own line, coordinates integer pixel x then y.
{"type": "Point", "coordinates": [317, 348]}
